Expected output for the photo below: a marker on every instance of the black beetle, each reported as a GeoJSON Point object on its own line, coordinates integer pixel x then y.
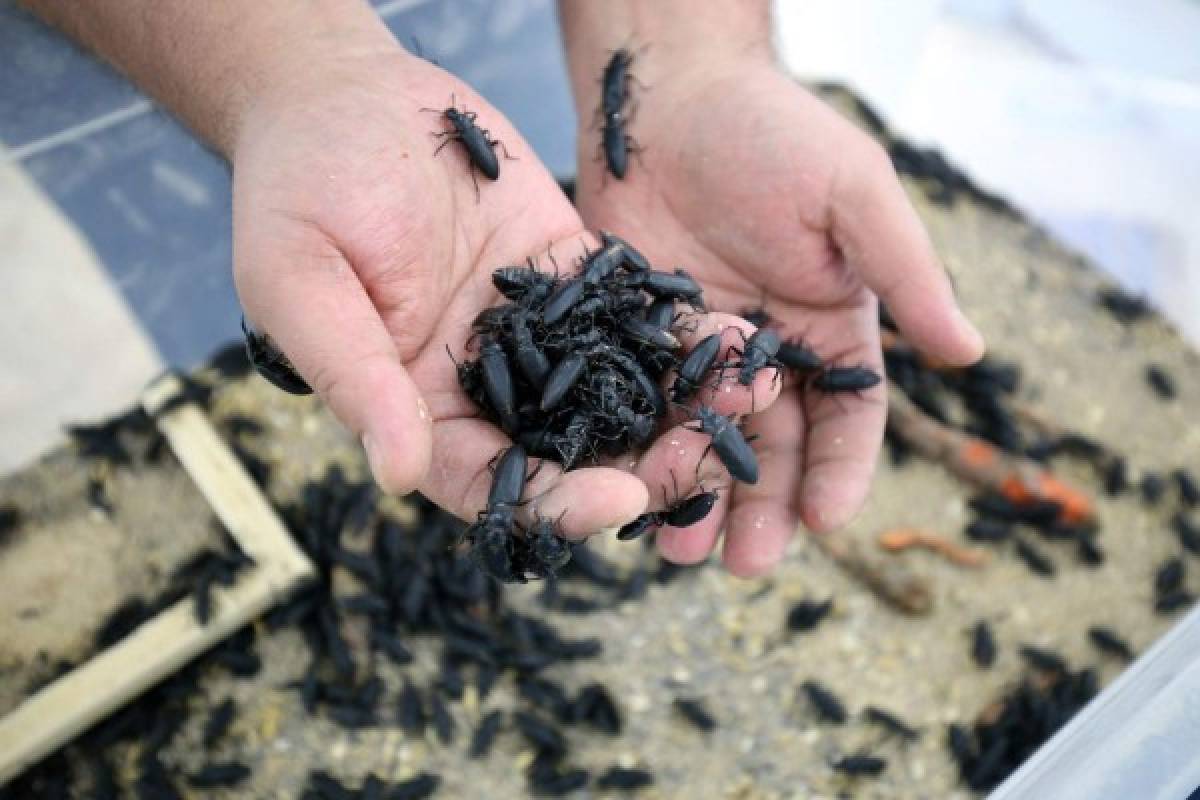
{"type": "Point", "coordinates": [1109, 641]}
{"type": "Point", "coordinates": [631, 258]}
{"type": "Point", "coordinates": [661, 314]}
{"type": "Point", "coordinates": [617, 145]}
{"type": "Point", "coordinates": [615, 82]}
{"type": "Point", "coordinates": [797, 357]}
{"type": "Point", "coordinates": [983, 644]}
{"type": "Point", "coordinates": [758, 353]}
{"type": "Point", "coordinates": [522, 284]}
{"type": "Point", "coordinates": [680, 514]}
{"type": "Point", "coordinates": [1170, 576]}
{"type": "Point", "coordinates": [475, 140]}
{"type": "Point", "coordinates": [695, 712]}
{"type": "Point", "coordinates": [679, 286]}
{"type": "Point", "coordinates": [640, 526]}
{"type": "Point", "coordinates": [508, 481]}
{"type": "Point", "coordinates": [731, 447]}
{"type": "Point", "coordinates": [599, 265]}
{"type": "Point", "coordinates": [807, 614]}
{"type": "Point", "coordinates": [625, 779]}
{"type": "Point", "coordinates": [641, 331]}
{"type": "Point", "coordinates": [562, 300]}
{"type": "Point", "coordinates": [859, 765]}
{"type": "Point", "coordinates": [828, 705]}
{"type": "Point", "coordinates": [845, 379]}
{"type": "Point", "coordinates": [531, 360]}
{"type": "Point", "coordinates": [694, 367]}
{"type": "Point", "coordinates": [562, 378]}
{"type": "Point", "coordinates": [498, 383]}
{"type": "Point", "coordinates": [892, 723]}
{"type": "Point", "coordinates": [272, 364]}
{"type": "Point", "coordinates": [550, 550]}
{"type": "Point", "coordinates": [690, 510]}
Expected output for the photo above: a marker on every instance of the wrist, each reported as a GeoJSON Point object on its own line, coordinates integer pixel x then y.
{"type": "Point", "coordinates": [670, 39]}
{"type": "Point", "coordinates": [287, 58]}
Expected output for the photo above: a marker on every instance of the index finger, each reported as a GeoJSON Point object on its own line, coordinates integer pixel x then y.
{"type": "Point", "coordinates": [882, 239]}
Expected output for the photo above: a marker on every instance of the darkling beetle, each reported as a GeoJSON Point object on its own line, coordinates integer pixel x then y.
{"type": "Point", "coordinates": [833, 380]}
{"type": "Point", "coordinates": [617, 145]}
{"type": "Point", "coordinates": [477, 141]}
{"type": "Point", "coordinates": [549, 549]}
{"type": "Point", "coordinates": [757, 354]}
{"type": "Point", "coordinates": [632, 258]}
{"type": "Point", "coordinates": [680, 514]}
{"type": "Point", "coordinates": [615, 82]}
{"type": "Point", "coordinates": [798, 357]}
{"type": "Point", "coordinates": [531, 359]}
{"type": "Point", "coordinates": [498, 383]}
{"type": "Point", "coordinates": [566, 374]}
{"type": "Point", "coordinates": [693, 369]}
{"type": "Point", "coordinates": [271, 363]}
{"type": "Point", "coordinates": [860, 764]}
{"type": "Point", "coordinates": [491, 538]}
{"type": "Point", "coordinates": [731, 447]}
{"type": "Point", "coordinates": [678, 285]}
{"type": "Point", "coordinates": [661, 314]}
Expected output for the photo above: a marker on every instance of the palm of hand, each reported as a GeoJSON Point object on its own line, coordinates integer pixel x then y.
{"type": "Point", "coordinates": [356, 245]}
{"type": "Point", "coordinates": [738, 186]}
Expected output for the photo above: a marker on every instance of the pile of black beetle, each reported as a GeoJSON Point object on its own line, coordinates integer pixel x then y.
{"type": "Point", "coordinates": [573, 369]}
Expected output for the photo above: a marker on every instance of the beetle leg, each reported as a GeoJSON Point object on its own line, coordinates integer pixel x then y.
{"type": "Point", "coordinates": [635, 148]}
{"type": "Point", "coordinates": [494, 142]}
{"type": "Point", "coordinates": [474, 181]}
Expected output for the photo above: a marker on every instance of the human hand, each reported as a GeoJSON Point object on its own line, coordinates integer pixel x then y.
{"type": "Point", "coordinates": [364, 258]}
{"type": "Point", "coordinates": [770, 198]}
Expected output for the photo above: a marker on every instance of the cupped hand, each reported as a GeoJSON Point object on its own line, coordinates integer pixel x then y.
{"type": "Point", "coordinates": [770, 198]}
{"type": "Point", "coordinates": [365, 258]}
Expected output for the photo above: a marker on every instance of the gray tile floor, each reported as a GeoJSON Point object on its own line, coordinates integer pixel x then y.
{"type": "Point", "coordinates": [152, 204]}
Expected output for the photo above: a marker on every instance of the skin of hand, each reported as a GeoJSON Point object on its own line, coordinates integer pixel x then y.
{"type": "Point", "coordinates": [771, 199]}
{"type": "Point", "coordinates": [365, 258]}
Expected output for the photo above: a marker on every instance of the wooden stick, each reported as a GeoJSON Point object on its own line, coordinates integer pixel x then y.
{"type": "Point", "coordinates": [57, 713]}
{"type": "Point", "coordinates": [889, 582]}
{"type": "Point", "coordinates": [1021, 480]}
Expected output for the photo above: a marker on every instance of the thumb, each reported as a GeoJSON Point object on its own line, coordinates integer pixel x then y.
{"type": "Point", "coordinates": [297, 286]}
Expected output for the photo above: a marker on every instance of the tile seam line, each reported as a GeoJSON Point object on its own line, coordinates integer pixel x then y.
{"type": "Point", "coordinates": [121, 115]}
{"type": "Point", "coordinates": [77, 132]}
{"type": "Point", "coordinates": [390, 7]}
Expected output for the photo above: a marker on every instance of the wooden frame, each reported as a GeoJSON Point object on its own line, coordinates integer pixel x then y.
{"type": "Point", "coordinates": [58, 712]}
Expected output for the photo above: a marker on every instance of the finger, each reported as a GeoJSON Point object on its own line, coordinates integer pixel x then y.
{"type": "Point", "coordinates": [762, 516]}
{"type": "Point", "coordinates": [669, 468]}
{"type": "Point", "coordinates": [299, 288]}
{"type": "Point", "coordinates": [727, 396]}
{"type": "Point", "coordinates": [693, 544]}
{"type": "Point", "coordinates": [587, 500]}
{"type": "Point", "coordinates": [883, 240]}
{"type": "Point", "coordinates": [844, 434]}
